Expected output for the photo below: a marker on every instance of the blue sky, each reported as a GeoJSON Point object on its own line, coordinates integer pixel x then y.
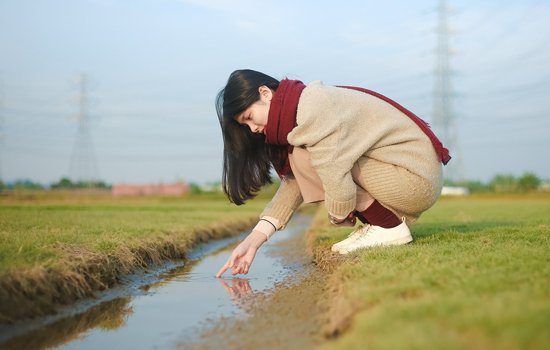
{"type": "Point", "coordinates": [155, 67]}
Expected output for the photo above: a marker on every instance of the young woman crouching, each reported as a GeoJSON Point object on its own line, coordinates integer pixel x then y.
{"type": "Point", "coordinates": [360, 153]}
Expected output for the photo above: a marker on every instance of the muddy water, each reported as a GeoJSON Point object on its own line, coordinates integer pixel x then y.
{"type": "Point", "coordinates": [179, 305]}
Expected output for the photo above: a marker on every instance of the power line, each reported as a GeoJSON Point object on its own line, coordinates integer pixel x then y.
{"type": "Point", "coordinates": [492, 12]}
{"type": "Point", "coordinates": [511, 29]}
{"type": "Point", "coordinates": [514, 65]}
{"type": "Point", "coordinates": [531, 88]}
{"type": "Point", "coordinates": [516, 62]}
{"type": "Point", "coordinates": [28, 127]}
{"type": "Point", "coordinates": [510, 128]}
{"type": "Point", "coordinates": [464, 7]}
{"type": "Point", "coordinates": [505, 143]}
{"type": "Point", "coordinates": [399, 81]}
{"type": "Point", "coordinates": [504, 119]}
{"type": "Point", "coordinates": [132, 157]}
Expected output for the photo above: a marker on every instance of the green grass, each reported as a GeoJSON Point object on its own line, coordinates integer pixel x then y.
{"type": "Point", "coordinates": [477, 276]}
{"type": "Point", "coordinates": [29, 229]}
{"type": "Point", "coordinates": [56, 248]}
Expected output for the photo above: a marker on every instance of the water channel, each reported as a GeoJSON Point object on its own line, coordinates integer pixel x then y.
{"type": "Point", "coordinates": [164, 306]}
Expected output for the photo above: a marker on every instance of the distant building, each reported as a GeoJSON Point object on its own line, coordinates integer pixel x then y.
{"type": "Point", "coordinates": [454, 191]}
{"type": "Point", "coordinates": [176, 189]}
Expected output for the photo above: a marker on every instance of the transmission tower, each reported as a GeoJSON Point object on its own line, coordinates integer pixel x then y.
{"type": "Point", "coordinates": [83, 165]}
{"type": "Point", "coordinates": [1, 121]}
{"type": "Point", "coordinates": [443, 95]}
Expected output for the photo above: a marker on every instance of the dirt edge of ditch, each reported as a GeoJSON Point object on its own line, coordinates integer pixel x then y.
{"type": "Point", "coordinates": [40, 290]}
{"type": "Point", "coordinates": [339, 311]}
{"type": "Point", "coordinates": [303, 312]}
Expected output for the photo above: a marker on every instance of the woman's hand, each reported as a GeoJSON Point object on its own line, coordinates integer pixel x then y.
{"type": "Point", "coordinates": [349, 221]}
{"type": "Point", "coordinates": [242, 256]}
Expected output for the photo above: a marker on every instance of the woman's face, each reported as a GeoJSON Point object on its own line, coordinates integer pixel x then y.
{"type": "Point", "coordinates": [256, 115]}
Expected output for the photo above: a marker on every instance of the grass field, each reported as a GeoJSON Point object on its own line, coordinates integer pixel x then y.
{"type": "Point", "coordinates": [476, 277]}
{"type": "Point", "coordinates": [56, 249]}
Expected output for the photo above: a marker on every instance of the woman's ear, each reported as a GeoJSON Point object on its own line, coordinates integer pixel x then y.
{"type": "Point", "coordinates": [265, 93]}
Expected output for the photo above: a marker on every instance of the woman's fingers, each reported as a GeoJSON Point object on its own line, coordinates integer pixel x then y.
{"type": "Point", "coordinates": [231, 260]}
{"type": "Point", "coordinates": [236, 269]}
{"type": "Point", "coordinates": [223, 269]}
{"type": "Point", "coordinates": [239, 262]}
{"type": "Point", "coordinates": [229, 264]}
{"type": "Point", "coordinates": [247, 288]}
{"type": "Point", "coordinates": [348, 223]}
{"type": "Point", "coordinates": [228, 289]}
{"type": "Point", "coordinates": [241, 266]}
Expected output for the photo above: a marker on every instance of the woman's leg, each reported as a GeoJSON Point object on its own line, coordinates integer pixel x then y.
{"type": "Point", "coordinates": [367, 208]}
{"type": "Point", "coordinates": [364, 198]}
{"type": "Point", "coordinates": [309, 182]}
{"type": "Point", "coordinates": [311, 185]}
{"type": "Point", "coordinates": [405, 193]}
{"type": "Point", "coordinates": [386, 227]}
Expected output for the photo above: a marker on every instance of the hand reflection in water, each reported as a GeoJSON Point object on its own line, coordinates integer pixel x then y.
{"type": "Point", "coordinates": [239, 288]}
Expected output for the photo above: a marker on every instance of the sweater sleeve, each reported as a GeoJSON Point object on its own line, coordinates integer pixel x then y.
{"type": "Point", "coordinates": [267, 225]}
{"type": "Point", "coordinates": [340, 189]}
{"type": "Point", "coordinates": [285, 202]}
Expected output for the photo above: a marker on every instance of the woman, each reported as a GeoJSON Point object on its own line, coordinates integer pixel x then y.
{"type": "Point", "coordinates": [362, 154]}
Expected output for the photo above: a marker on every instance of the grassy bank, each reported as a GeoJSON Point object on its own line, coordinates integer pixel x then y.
{"type": "Point", "coordinates": [58, 248]}
{"type": "Point", "coordinates": [476, 276]}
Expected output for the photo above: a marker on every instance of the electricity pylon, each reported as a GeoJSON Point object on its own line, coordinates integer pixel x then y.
{"type": "Point", "coordinates": [443, 98]}
{"type": "Point", "coordinates": [83, 165]}
{"type": "Point", "coordinates": [1, 122]}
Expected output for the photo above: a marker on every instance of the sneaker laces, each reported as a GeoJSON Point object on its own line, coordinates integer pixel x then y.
{"type": "Point", "coordinates": [358, 230]}
{"type": "Point", "coordinates": [366, 230]}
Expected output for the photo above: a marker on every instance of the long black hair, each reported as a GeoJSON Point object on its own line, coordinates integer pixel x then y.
{"type": "Point", "coordinates": [247, 159]}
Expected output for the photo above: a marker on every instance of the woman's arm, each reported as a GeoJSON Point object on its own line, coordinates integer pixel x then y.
{"type": "Point", "coordinates": [285, 202]}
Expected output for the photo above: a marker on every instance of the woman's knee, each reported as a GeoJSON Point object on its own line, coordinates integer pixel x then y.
{"type": "Point", "coordinates": [399, 188]}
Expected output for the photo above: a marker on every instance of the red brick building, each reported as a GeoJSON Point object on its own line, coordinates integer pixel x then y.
{"type": "Point", "coordinates": [176, 189]}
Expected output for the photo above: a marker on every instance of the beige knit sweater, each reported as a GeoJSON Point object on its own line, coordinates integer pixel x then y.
{"type": "Point", "coordinates": [339, 127]}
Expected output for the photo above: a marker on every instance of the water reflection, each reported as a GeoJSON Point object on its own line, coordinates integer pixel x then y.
{"type": "Point", "coordinates": [107, 316]}
{"type": "Point", "coordinates": [238, 289]}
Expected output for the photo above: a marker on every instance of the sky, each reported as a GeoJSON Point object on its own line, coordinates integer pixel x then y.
{"type": "Point", "coordinates": [154, 67]}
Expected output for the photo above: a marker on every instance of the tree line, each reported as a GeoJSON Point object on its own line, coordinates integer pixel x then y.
{"type": "Point", "coordinates": [63, 184]}
{"type": "Point", "coordinates": [501, 183]}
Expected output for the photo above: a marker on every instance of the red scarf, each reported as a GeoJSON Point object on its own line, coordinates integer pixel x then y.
{"type": "Point", "coordinates": [282, 119]}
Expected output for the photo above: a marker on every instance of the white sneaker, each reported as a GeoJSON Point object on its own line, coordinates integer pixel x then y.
{"type": "Point", "coordinates": [375, 236]}
{"type": "Point", "coordinates": [354, 235]}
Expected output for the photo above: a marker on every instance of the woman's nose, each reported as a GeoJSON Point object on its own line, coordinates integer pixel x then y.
{"type": "Point", "coordinates": [253, 127]}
